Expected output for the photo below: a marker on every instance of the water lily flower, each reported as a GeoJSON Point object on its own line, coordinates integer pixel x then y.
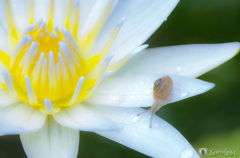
{"type": "Point", "coordinates": [57, 57]}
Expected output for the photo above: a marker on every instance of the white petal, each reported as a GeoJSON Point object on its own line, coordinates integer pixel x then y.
{"type": "Point", "coordinates": [187, 60]}
{"type": "Point", "coordinates": [137, 91]}
{"type": "Point", "coordinates": [81, 118]}
{"type": "Point", "coordinates": [90, 13]}
{"type": "Point", "coordinates": [19, 10]}
{"type": "Point", "coordinates": [5, 98]}
{"type": "Point", "coordinates": [20, 118]}
{"type": "Point", "coordinates": [143, 17]}
{"type": "Point", "coordinates": [41, 9]}
{"type": "Point", "coordinates": [4, 44]}
{"type": "Point", "coordinates": [51, 141]}
{"type": "Point", "coordinates": [59, 12]}
{"type": "Point", "coordinates": [162, 140]}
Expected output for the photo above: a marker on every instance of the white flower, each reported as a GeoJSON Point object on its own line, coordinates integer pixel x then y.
{"type": "Point", "coordinates": [53, 80]}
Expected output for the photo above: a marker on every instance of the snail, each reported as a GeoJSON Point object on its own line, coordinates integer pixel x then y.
{"type": "Point", "coordinates": [162, 91]}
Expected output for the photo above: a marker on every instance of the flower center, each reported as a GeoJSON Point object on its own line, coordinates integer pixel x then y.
{"type": "Point", "coordinates": [51, 69]}
{"type": "Point", "coordinates": [48, 68]}
{"type": "Point", "coordinates": [47, 62]}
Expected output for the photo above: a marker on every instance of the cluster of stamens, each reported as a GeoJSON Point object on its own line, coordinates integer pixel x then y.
{"type": "Point", "coordinates": [51, 68]}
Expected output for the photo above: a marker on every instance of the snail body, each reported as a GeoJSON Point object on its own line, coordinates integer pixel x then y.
{"type": "Point", "coordinates": [162, 91]}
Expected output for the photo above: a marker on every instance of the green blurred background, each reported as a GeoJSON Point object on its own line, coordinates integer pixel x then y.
{"type": "Point", "coordinates": [210, 120]}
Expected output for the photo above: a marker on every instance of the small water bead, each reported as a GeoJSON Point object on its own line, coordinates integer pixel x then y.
{"type": "Point", "coordinates": [117, 99]}
{"type": "Point", "coordinates": [179, 68]}
{"type": "Point", "coordinates": [186, 153]}
{"type": "Point", "coordinates": [149, 91]}
{"type": "Point", "coordinates": [185, 94]}
{"type": "Point", "coordinates": [135, 119]}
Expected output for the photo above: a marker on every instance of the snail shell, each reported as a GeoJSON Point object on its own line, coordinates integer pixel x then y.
{"type": "Point", "coordinates": [162, 89]}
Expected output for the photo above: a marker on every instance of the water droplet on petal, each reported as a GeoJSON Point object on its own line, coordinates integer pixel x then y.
{"type": "Point", "coordinates": [135, 119]}
{"type": "Point", "coordinates": [117, 99]}
{"type": "Point", "coordinates": [179, 68]}
{"type": "Point", "coordinates": [185, 94]}
{"type": "Point", "coordinates": [149, 91]}
{"type": "Point", "coordinates": [186, 153]}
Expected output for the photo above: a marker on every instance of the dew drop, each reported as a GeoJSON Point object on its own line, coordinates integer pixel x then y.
{"type": "Point", "coordinates": [186, 153]}
{"type": "Point", "coordinates": [179, 68]}
{"type": "Point", "coordinates": [184, 95]}
{"type": "Point", "coordinates": [135, 119]}
{"type": "Point", "coordinates": [149, 91]}
{"type": "Point", "coordinates": [117, 99]}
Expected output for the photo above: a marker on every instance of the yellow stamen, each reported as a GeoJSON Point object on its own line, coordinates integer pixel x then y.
{"type": "Point", "coordinates": [50, 16]}
{"type": "Point", "coordinates": [30, 12]}
{"type": "Point", "coordinates": [49, 67]}
{"type": "Point", "coordinates": [5, 58]}
{"type": "Point", "coordinates": [14, 33]}
{"type": "Point", "coordinates": [87, 41]}
{"type": "Point", "coordinates": [68, 17]}
{"type": "Point", "coordinates": [76, 20]}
